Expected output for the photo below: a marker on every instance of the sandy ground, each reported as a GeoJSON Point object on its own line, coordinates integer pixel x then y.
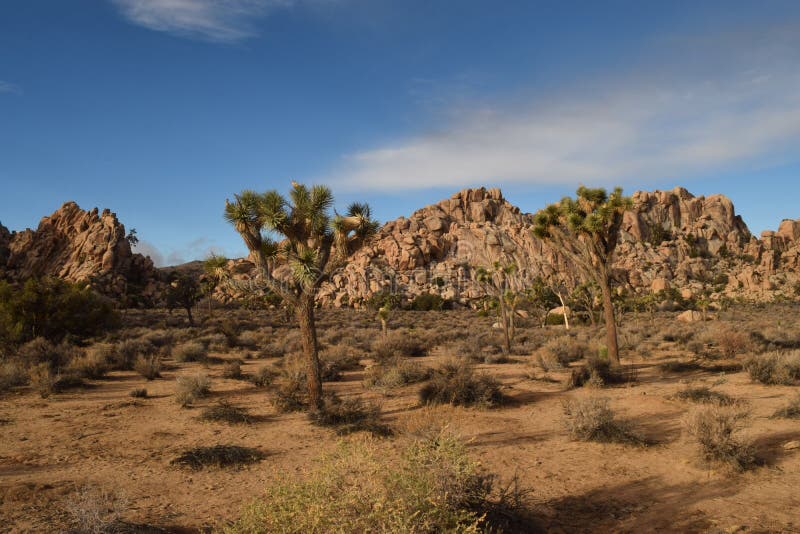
{"type": "Point", "coordinates": [104, 439]}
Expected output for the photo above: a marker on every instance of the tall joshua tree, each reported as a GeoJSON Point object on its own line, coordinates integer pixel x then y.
{"type": "Point", "coordinates": [504, 286]}
{"type": "Point", "coordinates": [586, 230]}
{"type": "Point", "coordinates": [314, 243]}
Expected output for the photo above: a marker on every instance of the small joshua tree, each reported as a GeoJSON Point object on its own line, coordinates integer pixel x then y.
{"type": "Point", "coordinates": [183, 291]}
{"type": "Point", "coordinates": [214, 270]}
{"type": "Point", "coordinates": [502, 284]}
{"type": "Point", "coordinates": [383, 316]}
{"type": "Point", "coordinates": [314, 244]}
{"type": "Point", "coordinates": [585, 230]}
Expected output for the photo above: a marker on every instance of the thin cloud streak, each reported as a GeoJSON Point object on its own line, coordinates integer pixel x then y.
{"type": "Point", "coordinates": [8, 87]}
{"type": "Point", "coordinates": [213, 20]}
{"type": "Point", "coordinates": [642, 126]}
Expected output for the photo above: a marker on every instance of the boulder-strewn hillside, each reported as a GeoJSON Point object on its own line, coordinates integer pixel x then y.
{"type": "Point", "coordinates": [671, 239]}
{"type": "Point", "coordinates": [78, 245]}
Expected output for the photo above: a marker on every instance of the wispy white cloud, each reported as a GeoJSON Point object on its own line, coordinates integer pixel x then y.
{"type": "Point", "coordinates": [8, 87]}
{"type": "Point", "coordinates": [213, 20]}
{"type": "Point", "coordinates": [703, 112]}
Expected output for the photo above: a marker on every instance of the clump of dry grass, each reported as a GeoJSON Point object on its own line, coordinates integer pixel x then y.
{"type": "Point", "coordinates": [232, 369]}
{"type": "Point", "coordinates": [350, 415]}
{"type": "Point", "coordinates": [12, 374]}
{"type": "Point", "coordinates": [776, 368]}
{"type": "Point", "coordinates": [95, 511]}
{"type": "Point", "coordinates": [226, 412]}
{"type": "Point", "coordinates": [599, 373]}
{"type": "Point", "coordinates": [791, 410]}
{"type": "Point", "coordinates": [397, 344]}
{"type": "Point", "coordinates": [218, 456]}
{"type": "Point", "coordinates": [93, 364]}
{"type": "Point", "coordinates": [717, 431]}
{"type": "Point", "coordinates": [704, 395]}
{"type": "Point", "coordinates": [336, 360]}
{"type": "Point", "coordinates": [148, 366]}
{"type": "Point", "coordinates": [395, 373]}
{"type": "Point", "coordinates": [290, 395]}
{"type": "Point", "coordinates": [732, 342]}
{"type": "Point", "coordinates": [190, 388]}
{"type": "Point", "coordinates": [138, 393]}
{"type": "Point", "coordinates": [559, 352]}
{"type": "Point", "coordinates": [191, 351]}
{"type": "Point", "coordinates": [456, 382]}
{"type": "Point", "coordinates": [592, 419]}
{"type": "Point", "coordinates": [263, 377]}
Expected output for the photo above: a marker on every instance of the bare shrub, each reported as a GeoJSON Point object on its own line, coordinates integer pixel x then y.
{"type": "Point", "coordinates": [39, 350]}
{"type": "Point", "coordinates": [782, 368]}
{"type": "Point", "coordinates": [228, 413]}
{"type": "Point", "coordinates": [191, 351]}
{"type": "Point", "coordinates": [249, 340]}
{"type": "Point", "coordinates": [124, 354]}
{"type": "Point", "coordinates": [42, 379]}
{"type": "Point", "coordinates": [599, 373]}
{"type": "Point", "coordinates": [791, 410]}
{"type": "Point", "coordinates": [560, 352]}
{"type": "Point", "coordinates": [94, 364]}
{"type": "Point", "coordinates": [704, 395]}
{"type": "Point", "coordinates": [455, 382]}
{"type": "Point", "coordinates": [12, 374]}
{"type": "Point", "coordinates": [148, 366]}
{"type": "Point", "coordinates": [717, 431]}
{"type": "Point", "coordinates": [233, 370]}
{"type": "Point", "coordinates": [350, 415]}
{"type": "Point", "coordinates": [291, 395]}
{"type": "Point", "coordinates": [732, 343]}
{"type": "Point", "coordinates": [190, 388]}
{"type": "Point", "coordinates": [96, 511]}
{"type": "Point", "coordinates": [263, 377]}
{"type": "Point", "coordinates": [398, 343]}
{"type": "Point", "coordinates": [433, 487]}
{"type": "Point", "coordinates": [591, 419]}
{"type": "Point", "coordinates": [336, 360]}
{"type": "Point", "coordinates": [218, 456]}
{"type": "Point", "coordinates": [396, 373]}
{"type": "Point", "coordinates": [138, 393]}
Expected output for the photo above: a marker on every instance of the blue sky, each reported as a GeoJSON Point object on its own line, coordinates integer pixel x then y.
{"type": "Point", "coordinates": [160, 109]}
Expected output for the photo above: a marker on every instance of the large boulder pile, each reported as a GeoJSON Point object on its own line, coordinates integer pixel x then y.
{"type": "Point", "coordinates": [77, 245]}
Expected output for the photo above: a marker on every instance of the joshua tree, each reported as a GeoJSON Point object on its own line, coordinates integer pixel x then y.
{"type": "Point", "coordinates": [314, 244]}
{"type": "Point", "coordinates": [183, 291]}
{"type": "Point", "coordinates": [383, 317]}
{"type": "Point", "coordinates": [214, 269]}
{"type": "Point", "coordinates": [586, 230]}
{"type": "Point", "coordinates": [503, 285]}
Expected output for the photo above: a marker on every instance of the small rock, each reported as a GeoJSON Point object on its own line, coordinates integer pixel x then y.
{"type": "Point", "coordinates": [791, 445]}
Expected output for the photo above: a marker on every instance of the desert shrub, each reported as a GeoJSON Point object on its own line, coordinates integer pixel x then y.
{"type": "Point", "coordinates": [52, 309]}
{"type": "Point", "coordinates": [228, 413]}
{"type": "Point", "coordinates": [218, 456]}
{"type": "Point", "coordinates": [455, 382]}
{"type": "Point", "coordinates": [12, 374]}
{"type": "Point", "coordinates": [42, 379]}
{"type": "Point", "coordinates": [148, 366]}
{"type": "Point", "coordinates": [190, 388]}
{"type": "Point", "coordinates": [159, 338]}
{"type": "Point", "coordinates": [139, 393]}
{"type": "Point", "coordinates": [704, 395]}
{"type": "Point", "coordinates": [290, 395]}
{"type": "Point", "coordinates": [95, 511]}
{"type": "Point", "coordinates": [559, 352]}
{"type": "Point", "coordinates": [335, 360]}
{"type": "Point", "coordinates": [791, 410]}
{"type": "Point", "coordinates": [717, 431]}
{"type": "Point", "coordinates": [191, 351]}
{"type": "Point", "coordinates": [349, 415]}
{"type": "Point", "coordinates": [433, 487]}
{"type": "Point", "coordinates": [395, 373]}
{"type": "Point", "coordinates": [427, 302]}
{"type": "Point", "coordinates": [124, 355]}
{"type": "Point", "coordinates": [232, 369]}
{"type": "Point", "coordinates": [397, 343]}
{"type": "Point", "coordinates": [93, 364]}
{"type": "Point", "coordinates": [678, 335]}
{"type": "Point", "coordinates": [40, 350]}
{"type": "Point", "coordinates": [774, 368]}
{"type": "Point", "coordinates": [249, 340]}
{"type": "Point", "coordinates": [592, 419]}
{"type": "Point", "coordinates": [679, 367]}
{"type": "Point", "coordinates": [263, 377]}
{"type": "Point", "coordinates": [732, 343]}
{"type": "Point", "coordinates": [598, 372]}
{"type": "Point", "coordinates": [470, 349]}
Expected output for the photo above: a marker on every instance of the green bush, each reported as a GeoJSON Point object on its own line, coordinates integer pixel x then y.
{"type": "Point", "coordinates": [433, 487]}
{"type": "Point", "coordinates": [52, 309]}
{"type": "Point", "coordinates": [427, 302]}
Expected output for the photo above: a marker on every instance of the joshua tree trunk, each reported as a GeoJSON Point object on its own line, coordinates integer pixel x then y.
{"type": "Point", "coordinates": [564, 310]}
{"type": "Point", "coordinates": [308, 334]}
{"type": "Point", "coordinates": [384, 328]}
{"type": "Point", "coordinates": [506, 325]}
{"type": "Point", "coordinates": [611, 325]}
{"type": "Point", "coordinates": [189, 314]}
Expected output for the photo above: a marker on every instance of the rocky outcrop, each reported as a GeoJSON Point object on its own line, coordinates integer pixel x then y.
{"type": "Point", "coordinates": [78, 245]}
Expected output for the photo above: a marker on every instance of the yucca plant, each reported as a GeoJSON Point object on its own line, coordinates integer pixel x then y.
{"type": "Point", "coordinates": [214, 271]}
{"type": "Point", "coordinates": [314, 243]}
{"type": "Point", "coordinates": [585, 231]}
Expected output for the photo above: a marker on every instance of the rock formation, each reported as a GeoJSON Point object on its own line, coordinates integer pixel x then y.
{"type": "Point", "coordinates": [78, 245]}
